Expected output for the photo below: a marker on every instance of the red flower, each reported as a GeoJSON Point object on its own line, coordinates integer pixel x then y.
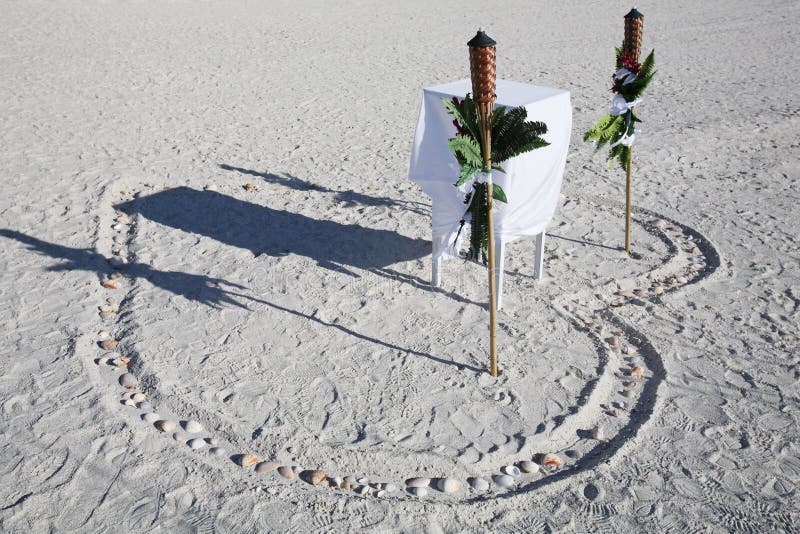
{"type": "Point", "coordinates": [629, 62]}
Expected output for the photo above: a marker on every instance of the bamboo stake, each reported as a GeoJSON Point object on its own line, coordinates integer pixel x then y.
{"type": "Point", "coordinates": [483, 74]}
{"type": "Point", "coordinates": [628, 202]}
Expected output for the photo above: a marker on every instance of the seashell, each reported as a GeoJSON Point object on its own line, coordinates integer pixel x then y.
{"type": "Point", "coordinates": [150, 417]}
{"type": "Point", "coordinates": [641, 293]}
{"type": "Point", "coordinates": [145, 406]}
{"type": "Point", "coordinates": [629, 350]}
{"type": "Point", "coordinates": [138, 396]}
{"type": "Point", "coordinates": [345, 485]}
{"type": "Point", "coordinates": [165, 426]}
{"type": "Point", "coordinates": [116, 261]}
{"type": "Point", "coordinates": [129, 403]}
{"type": "Point", "coordinates": [681, 279]}
{"type": "Point", "coordinates": [192, 426]}
{"type": "Point", "coordinates": [418, 482]}
{"type": "Point", "coordinates": [391, 488]}
{"type": "Point", "coordinates": [418, 491]}
{"type": "Point", "coordinates": [118, 227]}
{"type": "Point", "coordinates": [119, 239]}
{"type": "Point", "coordinates": [504, 481]}
{"type": "Point", "coordinates": [110, 284]}
{"type": "Point", "coordinates": [217, 451]}
{"type": "Point", "coordinates": [250, 187]}
{"type": "Point", "coordinates": [621, 405]}
{"type": "Point", "coordinates": [512, 470]}
{"type": "Point", "coordinates": [106, 314]}
{"type": "Point", "coordinates": [612, 341]}
{"type": "Point", "coordinates": [266, 467]}
{"type": "Point", "coordinates": [551, 460]}
{"type": "Point", "coordinates": [350, 479]}
{"type": "Point", "coordinates": [286, 472]}
{"type": "Point", "coordinates": [246, 460]}
{"type": "Point", "coordinates": [618, 333]}
{"type": "Point", "coordinates": [526, 466]}
{"type": "Point", "coordinates": [658, 290]}
{"type": "Point", "coordinates": [122, 361]}
{"type": "Point", "coordinates": [629, 385]}
{"type": "Point", "coordinates": [128, 381]}
{"type": "Point", "coordinates": [597, 433]}
{"type": "Point", "coordinates": [126, 394]}
{"type": "Point", "coordinates": [123, 218]}
{"type": "Point", "coordinates": [103, 334]}
{"type": "Point", "coordinates": [317, 477]}
{"type": "Point", "coordinates": [613, 412]}
{"type": "Point", "coordinates": [102, 360]}
{"type": "Point", "coordinates": [637, 372]}
{"type": "Point", "coordinates": [381, 493]}
{"type": "Point", "coordinates": [617, 303]}
{"type": "Point", "coordinates": [478, 483]}
{"type": "Point", "coordinates": [335, 481]}
{"type": "Point", "coordinates": [212, 441]}
{"type": "Point", "coordinates": [196, 443]}
{"type": "Point", "coordinates": [628, 393]}
{"type": "Point", "coordinates": [115, 276]}
{"type": "Point", "coordinates": [449, 485]}
{"type": "Point", "coordinates": [211, 187]}
{"type": "Point", "coordinates": [363, 480]}
{"type": "Point", "coordinates": [180, 437]}
{"type": "Point", "coordinates": [108, 344]}
{"type": "Point", "coordinates": [297, 469]}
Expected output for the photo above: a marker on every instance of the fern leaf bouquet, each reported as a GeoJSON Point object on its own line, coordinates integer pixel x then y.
{"type": "Point", "coordinates": [512, 135]}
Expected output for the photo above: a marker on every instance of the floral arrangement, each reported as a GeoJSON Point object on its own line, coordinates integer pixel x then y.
{"type": "Point", "coordinates": [618, 128]}
{"type": "Point", "coordinates": [512, 135]}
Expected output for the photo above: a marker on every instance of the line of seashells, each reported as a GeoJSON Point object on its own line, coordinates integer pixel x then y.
{"type": "Point", "coordinates": [191, 432]}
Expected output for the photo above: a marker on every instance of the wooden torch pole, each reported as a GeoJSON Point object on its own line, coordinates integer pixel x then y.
{"type": "Point", "coordinates": [482, 53]}
{"type": "Point", "coordinates": [634, 24]}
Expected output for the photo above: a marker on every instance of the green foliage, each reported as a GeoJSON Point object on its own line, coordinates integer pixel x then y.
{"type": "Point", "coordinates": [610, 129]}
{"type": "Point", "coordinates": [512, 135]}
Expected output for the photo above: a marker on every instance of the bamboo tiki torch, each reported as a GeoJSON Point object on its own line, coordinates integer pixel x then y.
{"type": "Point", "coordinates": [482, 69]}
{"type": "Point", "coordinates": [634, 21]}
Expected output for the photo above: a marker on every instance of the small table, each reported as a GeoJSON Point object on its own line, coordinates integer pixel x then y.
{"type": "Point", "coordinates": [532, 181]}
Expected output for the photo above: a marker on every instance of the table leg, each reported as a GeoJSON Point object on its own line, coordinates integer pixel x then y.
{"type": "Point", "coordinates": [436, 272]}
{"type": "Point", "coordinates": [499, 270]}
{"type": "Point", "coordinates": [538, 269]}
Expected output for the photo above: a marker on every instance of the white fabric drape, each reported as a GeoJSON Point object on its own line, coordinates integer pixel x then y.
{"type": "Point", "coordinates": [532, 181]}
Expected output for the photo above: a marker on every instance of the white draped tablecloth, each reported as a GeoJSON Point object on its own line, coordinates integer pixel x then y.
{"type": "Point", "coordinates": [532, 181]}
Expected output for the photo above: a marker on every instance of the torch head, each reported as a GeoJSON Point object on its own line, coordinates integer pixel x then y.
{"type": "Point", "coordinates": [634, 22]}
{"type": "Point", "coordinates": [482, 67]}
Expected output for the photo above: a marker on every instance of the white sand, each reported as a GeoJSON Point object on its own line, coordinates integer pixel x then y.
{"type": "Point", "coordinates": [294, 320]}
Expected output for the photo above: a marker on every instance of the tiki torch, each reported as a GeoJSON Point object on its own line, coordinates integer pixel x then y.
{"type": "Point", "coordinates": [482, 69]}
{"type": "Point", "coordinates": [634, 22]}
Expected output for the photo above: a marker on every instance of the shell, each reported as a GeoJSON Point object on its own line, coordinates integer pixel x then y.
{"type": "Point", "coordinates": [418, 482]}
{"type": "Point", "coordinates": [286, 472]}
{"type": "Point", "coordinates": [350, 479]}
{"type": "Point", "coordinates": [180, 437]}
{"type": "Point", "coordinates": [504, 481]}
{"type": "Point", "coordinates": [641, 293]}
{"type": "Point", "coordinates": [128, 381]}
{"type": "Point", "coordinates": [551, 460]}
{"type": "Point", "coordinates": [526, 466]}
{"type": "Point", "coordinates": [246, 460]}
{"type": "Point", "coordinates": [637, 372]}
{"type": "Point", "coordinates": [212, 441]}
{"type": "Point", "coordinates": [449, 485]}
{"type": "Point", "coordinates": [391, 488]}
{"type": "Point", "coordinates": [629, 385]}
{"type": "Point", "coordinates": [249, 187]}
{"type": "Point", "coordinates": [145, 406]}
{"type": "Point", "coordinates": [106, 314]}
{"type": "Point", "coordinates": [418, 491]}
{"type": "Point", "coordinates": [110, 284]}
{"type": "Point", "coordinates": [381, 493]}
{"type": "Point", "coordinates": [217, 451]}
{"type": "Point", "coordinates": [122, 361]}
{"type": "Point", "coordinates": [266, 467]}
{"type": "Point", "coordinates": [103, 360]}
{"type": "Point", "coordinates": [478, 483]}
{"type": "Point", "coordinates": [138, 396]}
{"type": "Point", "coordinates": [363, 480]}
{"type": "Point", "coordinates": [612, 341]}
{"type": "Point", "coordinates": [165, 426]}
{"type": "Point", "coordinates": [597, 433]}
{"type": "Point", "coordinates": [196, 443]}
{"type": "Point", "coordinates": [129, 403]}
{"type": "Point", "coordinates": [192, 426]}
{"type": "Point", "coordinates": [317, 477]}
{"type": "Point", "coordinates": [108, 344]}
{"type": "Point", "coordinates": [150, 417]}
{"type": "Point", "coordinates": [512, 470]}
{"type": "Point", "coordinates": [629, 350]}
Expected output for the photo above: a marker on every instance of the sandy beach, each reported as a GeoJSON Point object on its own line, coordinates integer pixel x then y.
{"type": "Point", "coordinates": [215, 276]}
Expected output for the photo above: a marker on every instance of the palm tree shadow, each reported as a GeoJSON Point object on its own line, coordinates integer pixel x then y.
{"type": "Point", "coordinates": [349, 196]}
{"type": "Point", "coordinates": [197, 288]}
